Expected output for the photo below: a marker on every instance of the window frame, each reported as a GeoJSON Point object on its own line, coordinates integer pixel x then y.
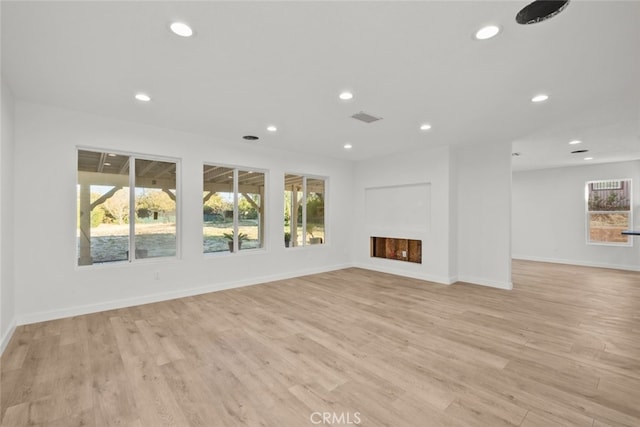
{"type": "Point", "coordinates": [303, 203]}
{"type": "Point", "coordinates": [630, 213]}
{"type": "Point", "coordinates": [131, 179]}
{"type": "Point", "coordinates": [236, 199]}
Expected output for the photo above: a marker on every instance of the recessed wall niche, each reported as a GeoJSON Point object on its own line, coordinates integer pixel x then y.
{"type": "Point", "coordinates": [398, 208]}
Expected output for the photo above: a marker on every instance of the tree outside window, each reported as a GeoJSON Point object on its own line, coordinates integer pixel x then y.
{"type": "Point", "coordinates": [111, 220]}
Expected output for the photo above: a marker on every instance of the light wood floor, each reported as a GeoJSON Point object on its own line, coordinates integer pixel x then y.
{"type": "Point", "coordinates": [561, 349]}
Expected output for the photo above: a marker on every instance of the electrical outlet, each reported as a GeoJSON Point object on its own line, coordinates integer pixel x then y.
{"type": "Point", "coordinates": [404, 254]}
{"type": "Point", "coordinates": [156, 275]}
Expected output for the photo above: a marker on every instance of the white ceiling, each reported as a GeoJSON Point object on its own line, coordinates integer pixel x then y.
{"type": "Point", "coordinates": [251, 64]}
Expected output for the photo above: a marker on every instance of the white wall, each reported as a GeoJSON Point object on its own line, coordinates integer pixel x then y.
{"type": "Point", "coordinates": [426, 166]}
{"type": "Point", "coordinates": [49, 285]}
{"type": "Point", "coordinates": [549, 216]}
{"type": "Point", "coordinates": [483, 175]}
{"type": "Point", "coordinates": [7, 290]}
{"type": "Point", "coordinates": [466, 237]}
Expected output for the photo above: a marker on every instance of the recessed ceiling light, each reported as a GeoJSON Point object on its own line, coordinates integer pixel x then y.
{"type": "Point", "coordinates": [540, 98]}
{"type": "Point", "coordinates": [575, 142]}
{"type": "Point", "coordinates": [487, 32]}
{"type": "Point", "coordinates": [107, 164]}
{"type": "Point", "coordinates": [272, 128]}
{"type": "Point", "coordinates": [143, 97]}
{"type": "Point", "coordinates": [111, 155]}
{"type": "Point", "coordinates": [347, 146]}
{"type": "Point", "coordinates": [588, 158]}
{"type": "Point", "coordinates": [425, 126]}
{"type": "Point", "coordinates": [346, 96]}
{"type": "Point", "coordinates": [181, 29]}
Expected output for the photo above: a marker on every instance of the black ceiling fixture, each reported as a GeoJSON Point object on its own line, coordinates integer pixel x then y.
{"type": "Point", "coordinates": [250, 137]}
{"type": "Point", "coordinates": [540, 10]}
{"type": "Point", "coordinates": [579, 151]}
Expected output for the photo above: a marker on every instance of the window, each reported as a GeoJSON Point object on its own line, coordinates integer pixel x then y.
{"type": "Point", "coordinates": [232, 209]}
{"type": "Point", "coordinates": [111, 219]}
{"type": "Point", "coordinates": [609, 211]}
{"type": "Point", "coordinates": [304, 214]}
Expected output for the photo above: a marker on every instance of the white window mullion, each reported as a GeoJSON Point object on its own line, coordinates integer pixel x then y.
{"type": "Point", "coordinates": [293, 223]}
{"type": "Point", "coordinates": [235, 211]}
{"type": "Point", "coordinates": [304, 211]}
{"type": "Point", "coordinates": [132, 209]}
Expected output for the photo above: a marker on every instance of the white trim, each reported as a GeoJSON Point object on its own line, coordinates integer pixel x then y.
{"type": "Point", "coordinates": [7, 336]}
{"type": "Point", "coordinates": [442, 280]}
{"type": "Point", "coordinates": [304, 211]}
{"type": "Point", "coordinates": [164, 296]}
{"type": "Point", "coordinates": [482, 281]}
{"type": "Point", "coordinates": [132, 251]}
{"type": "Point", "coordinates": [577, 262]}
{"type": "Point", "coordinates": [236, 218]}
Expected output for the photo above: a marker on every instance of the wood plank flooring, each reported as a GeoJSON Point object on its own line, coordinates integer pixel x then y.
{"type": "Point", "coordinates": [561, 349]}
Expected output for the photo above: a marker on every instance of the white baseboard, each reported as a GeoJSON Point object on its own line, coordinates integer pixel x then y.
{"type": "Point", "coordinates": [443, 280]}
{"type": "Point", "coordinates": [577, 262]}
{"type": "Point", "coordinates": [438, 279]}
{"type": "Point", "coordinates": [7, 336]}
{"type": "Point", "coordinates": [486, 282]}
{"type": "Point", "coordinates": [165, 296]}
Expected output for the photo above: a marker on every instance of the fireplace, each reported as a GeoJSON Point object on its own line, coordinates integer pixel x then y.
{"type": "Point", "coordinates": [408, 250]}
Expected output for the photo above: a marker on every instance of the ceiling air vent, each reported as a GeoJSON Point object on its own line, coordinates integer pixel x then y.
{"type": "Point", "coordinates": [540, 10]}
{"type": "Point", "coordinates": [364, 117]}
